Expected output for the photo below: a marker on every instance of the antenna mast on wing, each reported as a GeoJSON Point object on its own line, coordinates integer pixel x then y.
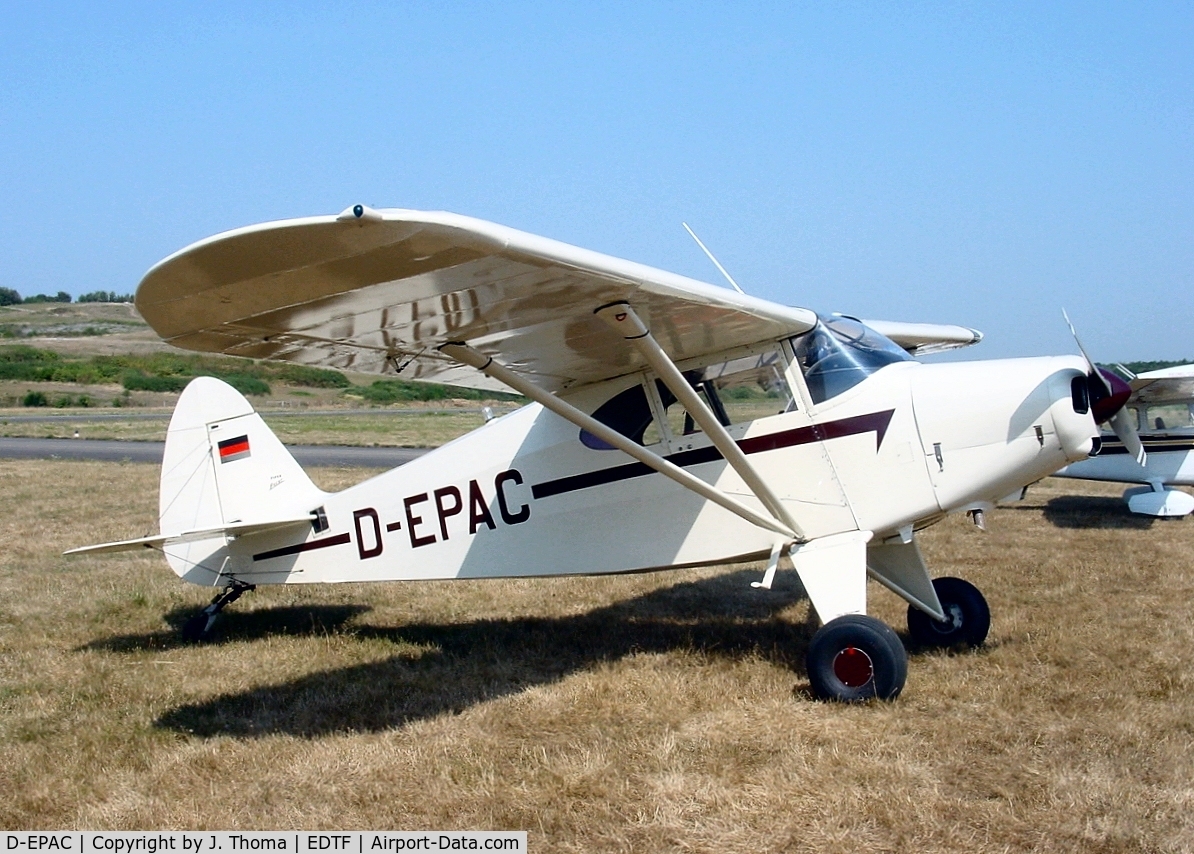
{"type": "Point", "coordinates": [716, 263]}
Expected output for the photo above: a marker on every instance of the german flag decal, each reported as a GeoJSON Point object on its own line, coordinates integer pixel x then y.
{"type": "Point", "coordinates": [234, 449]}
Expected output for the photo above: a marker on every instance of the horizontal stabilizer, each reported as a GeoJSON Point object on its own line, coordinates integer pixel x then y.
{"type": "Point", "coordinates": [237, 529]}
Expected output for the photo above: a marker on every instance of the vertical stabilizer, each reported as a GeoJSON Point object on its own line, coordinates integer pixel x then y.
{"type": "Point", "coordinates": [223, 466]}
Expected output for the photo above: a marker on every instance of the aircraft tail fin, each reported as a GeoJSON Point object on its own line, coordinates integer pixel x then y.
{"type": "Point", "coordinates": [224, 469]}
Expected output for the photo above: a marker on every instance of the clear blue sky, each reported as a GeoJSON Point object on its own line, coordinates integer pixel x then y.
{"type": "Point", "coordinates": [974, 163]}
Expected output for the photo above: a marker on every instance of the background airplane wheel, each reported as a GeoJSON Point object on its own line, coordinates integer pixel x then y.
{"type": "Point", "coordinates": [855, 658]}
{"type": "Point", "coordinates": [968, 619]}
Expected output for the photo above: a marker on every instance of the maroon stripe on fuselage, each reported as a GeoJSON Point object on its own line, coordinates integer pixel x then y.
{"type": "Point", "coordinates": [853, 426]}
{"type": "Point", "coordinates": [338, 540]}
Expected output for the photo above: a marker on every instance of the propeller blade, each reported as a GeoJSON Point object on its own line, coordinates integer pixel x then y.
{"type": "Point", "coordinates": [1091, 369]}
{"type": "Point", "coordinates": [1121, 423]}
{"type": "Point", "coordinates": [1108, 398]}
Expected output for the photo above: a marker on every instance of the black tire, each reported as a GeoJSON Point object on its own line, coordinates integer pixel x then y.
{"type": "Point", "coordinates": [968, 617]}
{"type": "Point", "coordinates": [855, 658]}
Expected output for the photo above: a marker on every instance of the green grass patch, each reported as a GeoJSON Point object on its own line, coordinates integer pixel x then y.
{"type": "Point", "coordinates": [399, 391]}
{"type": "Point", "coordinates": [170, 372]}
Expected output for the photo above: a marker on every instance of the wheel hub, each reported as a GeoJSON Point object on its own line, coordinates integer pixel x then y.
{"type": "Point", "coordinates": [853, 667]}
{"type": "Point", "coordinates": [952, 621]}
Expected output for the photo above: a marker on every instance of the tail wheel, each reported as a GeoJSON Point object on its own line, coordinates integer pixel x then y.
{"type": "Point", "coordinates": [197, 628]}
{"type": "Point", "coordinates": [967, 616]}
{"type": "Point", "coordinates": [855, 658]}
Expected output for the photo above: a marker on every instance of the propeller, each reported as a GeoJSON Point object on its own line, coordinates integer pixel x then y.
{"type": "Point", "coordinates": [1108, 395]}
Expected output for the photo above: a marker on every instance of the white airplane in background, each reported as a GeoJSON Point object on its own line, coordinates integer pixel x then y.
{"type": "Point", "coordinates": [674, 424]}
{"type": "Point", "coordinates": [1162, 406]}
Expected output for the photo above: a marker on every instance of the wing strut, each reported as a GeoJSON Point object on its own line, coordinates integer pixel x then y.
{"type": "Point", "coordinates": [623, 319]}
{"type": "Point", "coordinates": [467, 355]}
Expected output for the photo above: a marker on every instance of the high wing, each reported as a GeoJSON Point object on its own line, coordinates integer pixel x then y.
{"type": "Point", "coordinates": [920, 339]}
{"type": "Point", "coordinates": [1168, 385]}
{"type": "Point", "coordinates": [380, 290]}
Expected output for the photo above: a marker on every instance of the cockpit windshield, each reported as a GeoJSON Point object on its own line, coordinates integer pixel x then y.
{"type": "Point", "coordinates": [839, 353]}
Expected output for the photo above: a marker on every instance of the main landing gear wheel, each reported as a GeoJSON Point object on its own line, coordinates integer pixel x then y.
{"type": "Point", "coordinates": [855, 658]}
{"type": "Point", "coordinates": [967, 616]}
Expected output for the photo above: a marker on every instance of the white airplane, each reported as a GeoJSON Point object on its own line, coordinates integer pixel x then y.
{"type": "Point", "coordinates": [1162, 408]}
{"type": "Point", "coordinates": [674, 424]}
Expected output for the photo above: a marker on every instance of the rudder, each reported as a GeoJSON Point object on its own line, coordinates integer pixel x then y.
{"type": "Point", "coordinates": [223, 465]}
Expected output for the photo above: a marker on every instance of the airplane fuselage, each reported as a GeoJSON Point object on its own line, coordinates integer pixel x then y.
{"type": "Point", "coordinates": [529, 495]}
{"type": "Point", "coordinates": [1170, 461]}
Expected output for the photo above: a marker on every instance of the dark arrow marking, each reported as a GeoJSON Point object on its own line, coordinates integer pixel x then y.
{"type": "Point", "coordinates": [853, 426]}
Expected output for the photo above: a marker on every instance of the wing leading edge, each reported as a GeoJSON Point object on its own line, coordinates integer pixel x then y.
{"type": "Point", "coordinates": [370, 291]}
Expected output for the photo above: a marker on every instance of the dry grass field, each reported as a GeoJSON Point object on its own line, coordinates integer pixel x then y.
{"type": "Point", "coordinates": [664, 712]}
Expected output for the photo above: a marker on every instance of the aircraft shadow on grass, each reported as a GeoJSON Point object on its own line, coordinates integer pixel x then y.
{"type": "Point", "coordinates": [1090, 511]}
{"type": "Point", "coordinates": [452, 666]}
{"type": "Point", "coordinates": [237, 626]}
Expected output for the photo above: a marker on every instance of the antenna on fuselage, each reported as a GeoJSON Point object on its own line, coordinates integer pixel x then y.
{"type": "Point", "coordinates": [716, 263]}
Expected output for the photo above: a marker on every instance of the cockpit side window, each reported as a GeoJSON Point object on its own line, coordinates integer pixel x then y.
{"type": "Point", "coordinates": [679, 422]}
{"type": "Point", "coordinates": [736, 391]}
{"type": "Point", "coordinates": [839, 353]}
{"type": "Point", "coordinates": [1168, 417]}
{"type": "Point", "coordinates": [750, 387]}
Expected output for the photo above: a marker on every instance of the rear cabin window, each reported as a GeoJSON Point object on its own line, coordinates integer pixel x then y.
{"type": "Point", "coordinates": [628, 412]}
{"type": "Point", "coordinates": [736, 391]}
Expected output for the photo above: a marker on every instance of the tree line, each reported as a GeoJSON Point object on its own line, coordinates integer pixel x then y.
{"type": "Point", "coordinates": [8, 296]}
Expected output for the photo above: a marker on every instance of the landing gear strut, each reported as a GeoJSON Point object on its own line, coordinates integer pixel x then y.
{"type": "Point", "coordinates": [198, 628]}
{"type": "Point", "coordinates": [967, 616]}
{"type": "Point", "coordinates": [854, 658]}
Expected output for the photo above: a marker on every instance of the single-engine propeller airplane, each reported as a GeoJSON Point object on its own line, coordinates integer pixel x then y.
{"type": "Point", "coordinates": [1162, 407]}
{"type": "Point", "coordinates": [673, 424]}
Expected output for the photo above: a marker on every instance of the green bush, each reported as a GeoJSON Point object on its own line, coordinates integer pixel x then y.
{"type": "Point", "coordinates": [246, 384]}
{"type": "Point", "coordinates": [397, 391]}
{"type": "Point", "coordinates": [20, 362]}
{"type": "Point", "coordinates": [34, 398]}
{"type": "Point", "coordinates": [394, 391]}
{"type": "Point", "coordinates": [312, 377]}
{"type": "Point", "coordinates": [138, 381]}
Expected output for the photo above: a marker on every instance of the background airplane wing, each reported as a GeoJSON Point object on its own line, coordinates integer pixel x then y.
{"type": "Point", "coordinates": [372, 290]}
{"type": "Point", "coordinates": [920, 339]}
{"type": "Point", "coordinates": [1168, 385]}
